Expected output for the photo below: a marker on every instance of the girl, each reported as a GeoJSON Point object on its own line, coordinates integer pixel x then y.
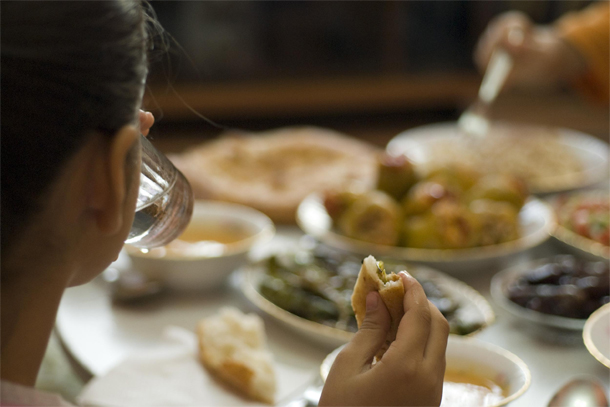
{"type": "Point", "coordinates": [73, 75]}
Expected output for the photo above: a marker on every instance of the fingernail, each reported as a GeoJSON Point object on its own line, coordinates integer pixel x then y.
{"type": "Point", "coordinates": [406, 273]}
{"type": "Point", "coordinates": [372, 300]}
{"type": "Point", "coordinates": [516, 36]}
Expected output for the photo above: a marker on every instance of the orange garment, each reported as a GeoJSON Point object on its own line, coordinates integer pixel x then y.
{"type": "Point", "coordinates": [588, 32]}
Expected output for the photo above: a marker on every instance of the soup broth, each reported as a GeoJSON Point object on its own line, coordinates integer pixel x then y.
{"type": "Point", "coordinates": [221, 233]}
{"type": "Point", "coordinates": [465, 389]}
{"type": "Point", "coordinates": [209, 239]}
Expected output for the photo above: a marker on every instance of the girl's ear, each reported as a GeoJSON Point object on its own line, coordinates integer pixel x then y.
{"type": "Point", "coordinates": [109, 188]}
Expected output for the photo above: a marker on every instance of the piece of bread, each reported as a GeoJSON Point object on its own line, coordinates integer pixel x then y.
{"type": "Point", "coordinates": [372, 277]}
{"type": "Point", "coordinates": [233, 347]}
{"type": "Point", "coordinates": [273, 171]}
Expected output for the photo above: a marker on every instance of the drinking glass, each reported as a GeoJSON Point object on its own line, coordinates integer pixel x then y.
{"type": "Point", "coordinates": [165, 201]}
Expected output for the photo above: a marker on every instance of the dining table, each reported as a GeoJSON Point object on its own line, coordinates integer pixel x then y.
{"type": "Point", "coordinates": [100, 333]}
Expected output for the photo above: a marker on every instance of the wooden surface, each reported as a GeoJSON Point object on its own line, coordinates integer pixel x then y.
{"type": "Point", "coordinates": [282, 98]}
{"type": "Point", "coordinates": [378, 127]}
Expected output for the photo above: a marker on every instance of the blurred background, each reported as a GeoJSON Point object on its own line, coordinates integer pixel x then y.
{"type": "Point", "coordinates": [368, 68]}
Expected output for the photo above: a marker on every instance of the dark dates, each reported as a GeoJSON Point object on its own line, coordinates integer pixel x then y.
{"type": "Point", "coordinates": [565, 286]}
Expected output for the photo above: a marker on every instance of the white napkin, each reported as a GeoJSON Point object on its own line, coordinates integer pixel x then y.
{"type": "Point", "coordinates": [173, 376]}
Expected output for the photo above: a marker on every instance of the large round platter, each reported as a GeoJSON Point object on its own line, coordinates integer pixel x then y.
{"type": "Point", "coordinates": [499, 293]}
{"type": "Point", "coordinates": [577, 244]}
{"type": "Point", "coordinates": [473, 306]}
{"type": "Point", "coordinates": [591, 153]}
{"type": "Point", "coordinates": [536, 219]}
{"type": "Point", "coordinates": [596, 335]}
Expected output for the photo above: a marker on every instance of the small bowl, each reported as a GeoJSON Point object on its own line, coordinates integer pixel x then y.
{"type": "Point", "coordinates": [596, 335]}
{"type": "Point", "coordinates": [472, 356]}
{"type": "Point", "coordinates": [539, 322]}
{"type": "Point", "coordinates": [206, 263]}
{"type": "Point", "coordinates": [571, 241]}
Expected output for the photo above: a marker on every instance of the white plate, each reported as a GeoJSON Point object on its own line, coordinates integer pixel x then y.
{"type": "Point", "coordinates": [536, 220]}
{"type": "Point", "coordinates": [596, 335]}
{"type": "Point", "coordinates": [592, 153]}
{"type": "Point", "coordinates": [100, 334]}
{"type": "Point", "coordinates": [499, 293]}
{"type": "Point", "coordinates": [473, 306]}
{"type": "Point", "coordinates": [468, 354]}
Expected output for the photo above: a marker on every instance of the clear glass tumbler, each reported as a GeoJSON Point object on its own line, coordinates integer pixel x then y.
{"type": "Point", "coordinates": [165, 201]}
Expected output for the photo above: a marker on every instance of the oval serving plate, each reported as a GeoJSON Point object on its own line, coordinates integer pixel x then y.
{"type": "Point", "coordinates": [536, 220]}
{"type": "Point", "coordinates": [499, 287]}
{"type": "Point", "coordinates": [592, 154]}
{"type": "Point", "coordinates": [473, 306]}
{"type": "Point", "coordinates": [574, 242]}
{"type": "Point", "coordinates": [596, 335]}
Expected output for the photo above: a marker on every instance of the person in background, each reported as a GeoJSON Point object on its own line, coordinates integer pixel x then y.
{"type": "Point", "coordinates": [73, 76]}
{"type": "Point", "coordinates": [574, 51]}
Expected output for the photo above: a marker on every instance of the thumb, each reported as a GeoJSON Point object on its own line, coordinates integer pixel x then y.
{"type": "Point", "coordinates": [372, 333]}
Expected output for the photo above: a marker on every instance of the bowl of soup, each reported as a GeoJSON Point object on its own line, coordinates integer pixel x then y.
{"type": "Point", "coordinates": [477, 374]}
{"type": "Point", "coordinates": [215, 243]}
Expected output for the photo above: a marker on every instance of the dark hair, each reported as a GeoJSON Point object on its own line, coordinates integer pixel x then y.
{"type": "Point", "coordinates": [68, 69]}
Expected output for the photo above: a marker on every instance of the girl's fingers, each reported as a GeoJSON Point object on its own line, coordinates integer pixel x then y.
{"type": "Point", "coordinates": [414, 327]}
{"type": "Point", "coordinates": [437, 340]}
{"type": "Point", "coordinates": [370, 336]}
{"type": "Point", "coordinates": [146, 122]}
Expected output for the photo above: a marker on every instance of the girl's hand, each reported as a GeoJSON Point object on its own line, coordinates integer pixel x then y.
{"type": "Point", "coordinates": [146, 122]}
{"type": "Point", "coordinates": [411, 371]}
{"type": "Point", "coordinates": [540, 56]}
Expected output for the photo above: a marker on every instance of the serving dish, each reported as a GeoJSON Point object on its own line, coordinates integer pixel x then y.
{"type": "Point", "coordinates": [471, 355]}
{"type": "Point", "coordinates": [207, 258]}
{"type": "Point", "coordinates": [536, 220]}
{"type": "Point", "coordinates": [596, 335]}
{"type": "Point", "coordinates": [473, 308]}
{"type": "Point", "coordinates": [590, 154]}
{"type": "Point", "coordinates": [504, 280]}
{"type": "Point", "coordinates": [569, 239]}
{"type": "Point", "coordinates": [273, 170]}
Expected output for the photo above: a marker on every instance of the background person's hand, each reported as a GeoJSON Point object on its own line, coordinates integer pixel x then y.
{"type": "Point", "coordinates": [541, 58]}
{"type": "Point", "coordinates": [411, 371]}
{"type": "Point", "coordinates": [146, 122]}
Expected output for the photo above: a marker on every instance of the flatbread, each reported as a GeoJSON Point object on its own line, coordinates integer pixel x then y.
{"type": "Point", "coordinates": [274, 171]}
{"type": "Point", "coordinates": [392, 293]}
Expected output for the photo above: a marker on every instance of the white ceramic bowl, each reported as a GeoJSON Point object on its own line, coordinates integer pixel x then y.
{"type": "Point", "coordinates": [573, 242]}
{"type": "Point", "coordinates": [206, 265]}
{"type": "Point", "coordinates": [596, 335]}
{"type": "Point", "coordinates": [500, 284]}
{"type": "Point", "coordinates": [481, 358]}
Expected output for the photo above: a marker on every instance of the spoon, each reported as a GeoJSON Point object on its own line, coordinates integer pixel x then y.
{"type": "Point", "coordinates": [475, 121]}
{"type": "Point", "coordinates": [309, 398]}
{"type": "Point", "coordinates": [584, 391]}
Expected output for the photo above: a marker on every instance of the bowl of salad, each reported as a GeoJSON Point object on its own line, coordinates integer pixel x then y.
{"type": "Point", "coordinates": [583, 222]}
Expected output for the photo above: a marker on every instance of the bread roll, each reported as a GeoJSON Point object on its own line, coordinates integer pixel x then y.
{"type": "Point", "coordinates": [372, 277]}
{"type": "Point", "coordinates": [233, 348]}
